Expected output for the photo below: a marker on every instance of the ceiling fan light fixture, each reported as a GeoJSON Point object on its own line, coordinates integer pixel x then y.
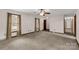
{"type": "Point", "coordinates": [46, 10]}
{"type": "Point", "coordinates": [42, 13]}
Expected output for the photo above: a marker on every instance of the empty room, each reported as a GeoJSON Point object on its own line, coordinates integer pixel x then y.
{"type": "Point", "coordinates": [39, 29]}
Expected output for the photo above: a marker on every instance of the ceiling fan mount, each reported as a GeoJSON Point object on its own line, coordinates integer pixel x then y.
{"type": "Point", "coordinates": [43, 12]}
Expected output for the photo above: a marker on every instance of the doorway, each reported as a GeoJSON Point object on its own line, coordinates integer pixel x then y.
{"type": "Point", "coordinates": [44, 25]}
{"type": "Point", "coordinates": [37, 24]}
{"type": "Point", "coordinates": [13, 25]}
{"type": "Point", "coordinates": [70, 25]}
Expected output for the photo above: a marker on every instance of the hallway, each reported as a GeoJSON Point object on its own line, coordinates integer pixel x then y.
{"type": "Point", "coordinates": [39, 41]}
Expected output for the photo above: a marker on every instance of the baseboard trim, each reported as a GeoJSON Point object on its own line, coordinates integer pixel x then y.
{"type": "Point", "coordinates": [27, 33]}
{"type": "Point", "coordinates": [56, 32]}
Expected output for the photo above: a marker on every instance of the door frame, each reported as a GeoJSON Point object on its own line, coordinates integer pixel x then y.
{"type": "Point", "coordinates": [38, 23]}
{"type": "Point", "coordinates": [8, 20]}
{"type": "Point", "coordinates": [71, 25]}
{"type": "Point", "coordinates": [45, 25]}
{"type": "Point", "coordinates": [75, 25]}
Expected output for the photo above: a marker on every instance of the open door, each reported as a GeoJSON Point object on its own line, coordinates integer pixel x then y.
{"type": "Point", "coordinates": [13, 25]}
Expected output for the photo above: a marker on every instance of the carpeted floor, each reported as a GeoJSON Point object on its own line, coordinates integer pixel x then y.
{"type": "Point", "coordinates": [39, 41]}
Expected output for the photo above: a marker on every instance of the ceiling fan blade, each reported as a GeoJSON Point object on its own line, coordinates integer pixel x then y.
{"type": "Point", "coordinates": [44, 12]}
{"type": "Point", "coordinates": [47, 13]}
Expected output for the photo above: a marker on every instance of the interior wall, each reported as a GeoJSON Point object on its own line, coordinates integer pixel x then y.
{"type": "Point", "coordinates": [56, 23]}
{"type": "Point", "coordinates": [41, 24]}
{"type": "Point", "coordinates": [47, 26]}
{"type": "Point", "coordinates": [27, 24]}
{"type": "Point", "coordinates": [3, 23]}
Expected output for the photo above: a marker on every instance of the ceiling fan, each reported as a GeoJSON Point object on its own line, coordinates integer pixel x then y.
{"type": "Point", "coordinates": [43, 12]}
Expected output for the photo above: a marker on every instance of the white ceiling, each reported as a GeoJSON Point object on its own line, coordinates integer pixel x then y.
{"type": "Point", "coordinates": [30, 11]}
{"type": "Point", "coordinates": [63, 11]}
{"type": "Point", "coordinates": [52, 11]}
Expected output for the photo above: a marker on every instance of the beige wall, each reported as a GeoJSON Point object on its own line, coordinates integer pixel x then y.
{"type": "Point", "coordinates": [41, 23]}
{"type": "Point", "coordinates": [56, 23]}
{"type": "Point", "coordinates": [3, 25]}
{"type": "Point", "coordinates": [27, 23]}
